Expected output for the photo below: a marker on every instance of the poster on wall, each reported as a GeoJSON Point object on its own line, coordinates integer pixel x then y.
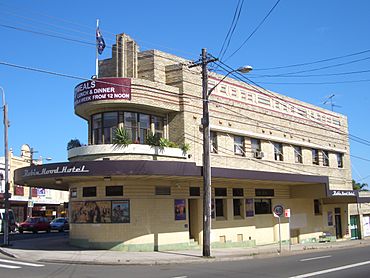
{"type": "Point", "coordinates": [91, 212]}
{"type": "Point", "coordinates": [330, 218]}
{"type": "Point", "coordinates": [180, 209]}
{"type": "Point", "coordinates": [249, 207]}
{"type": "Point", "coordinates": [366, 221]}
{"type": "Point", "coordinates": [121, 211]}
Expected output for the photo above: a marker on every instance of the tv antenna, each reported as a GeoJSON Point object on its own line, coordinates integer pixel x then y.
{"type": "Point", "coordinates": [329, 101]}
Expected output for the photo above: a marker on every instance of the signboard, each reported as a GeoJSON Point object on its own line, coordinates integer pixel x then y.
{"type": "Point", "coordinates": [287, 213]}
{"type": "Point", "coordinates": [30, 204]}
{"type": "Point", "coordinates": [342, 193]}
{"type": "Point", "coordinates": [102, 89]}
{"type": "Point", "coordinates": [278, 210]}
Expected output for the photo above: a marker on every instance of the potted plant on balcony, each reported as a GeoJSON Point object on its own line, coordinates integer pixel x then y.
{"type": "Point", "coordinates": [121, 137]}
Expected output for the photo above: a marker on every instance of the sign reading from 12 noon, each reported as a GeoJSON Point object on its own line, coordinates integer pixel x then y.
{"type": "Point", "coordinates": [278, 210]}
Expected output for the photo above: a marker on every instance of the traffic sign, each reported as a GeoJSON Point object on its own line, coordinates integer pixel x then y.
{"type": "Point", "coordinates": [278, 210]}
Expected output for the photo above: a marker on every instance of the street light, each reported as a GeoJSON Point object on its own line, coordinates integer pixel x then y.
{"type": "Point", "coordinates": [206, 150]}
{"type": "Point", "coordinates": [6, 191]}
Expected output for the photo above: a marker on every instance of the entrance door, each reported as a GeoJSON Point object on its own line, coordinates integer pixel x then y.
{"type": "Point", "coordinates": [354, 227]}
{"type": "Point", "coordinates": [338, 223]}
{"type": "Point", "coordinates": [193, 219]}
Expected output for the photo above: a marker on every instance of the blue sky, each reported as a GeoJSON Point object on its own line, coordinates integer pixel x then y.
{"type": "Point", "coordinates": [41, 105]}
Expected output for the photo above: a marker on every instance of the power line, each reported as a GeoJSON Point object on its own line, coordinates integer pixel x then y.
{"type": "Point", "coordinates": [233, 25]}
{"type": "Point", "coordinates": [314, 62]}
{"type": "Point", "coordinates": [254, 31]}
{"type": "Point", "coordinates": [312, 75]}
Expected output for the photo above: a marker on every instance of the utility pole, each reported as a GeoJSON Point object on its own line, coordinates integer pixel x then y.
{"type": "Point", "coordinates": [6, 191]}
{"type": "Point", "coordinates": [206, 156]}
{"type": "Point", "coordinates": [29, 207]}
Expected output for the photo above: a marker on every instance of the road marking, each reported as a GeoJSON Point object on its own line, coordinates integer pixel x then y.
{"type": "Point", "coordinates": [180, 277]}
{"type": "Point", "coordinates": [315, 258]}
{"type": "Point", "coordinates": [330, 270]}
{"type": "Point", "coordinates": [9, 266]}
{"type": "Point", "coordinates": [21, 263]}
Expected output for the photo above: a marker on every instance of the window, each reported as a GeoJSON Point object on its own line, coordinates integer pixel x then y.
{"type": "Point", "coordinates": [325, 158]}
{"type": "Point", "coordinates": [220, 208]}
{"type": "Point", "coordinates": [89, 191]}
{"type": "Point", "coordinates": [317, 207]}
{"type": "Point", "coordinates": [238, 202]}
{"type": "Point", "coordinates": [73, 193]}
{"type": "Point", "coordinates": [158, 126]}
{"type": "Point", "coordinates": [144, 128]}
{"type": "Point", "coordinates": [255, 145]}
{"type": "Point", "coordinates": [213, 141]}
{"type": "Point", "coordinates": [194, 191]}
{"type": "Point", "coordinates": [97, 129]}
{"type": "Point", "coordinates": [278, 151]}
{"type": "Point", "coordinates": [297, 154]}
{"type": "Point", "coordinates": [239, 145]}
{"type": "Point", "coordinates": [220, 192]}
{"type": "Point", "coordinates": [116, 190]}
{"type": "Point", "coordinates": [237, 207]}
{"type": "Point", "coordinates": [238, 192]}
{"type": "Point", "coordinates": [265, 192]}
{"type": "Point", "coordinates": [262, 206]}
{"type": "Point", "coordinates": [162, 190]}
{"type": "Point", "coordinates": [264, 100]}
{"type": "Point", "coordinates": [340, 160]}
{"type": "Point", "coordinates": [110, 123]}
{"type": "Point", "coordinates": [315, 156]}
{"type": "Point", "coordinates": [130, 123]}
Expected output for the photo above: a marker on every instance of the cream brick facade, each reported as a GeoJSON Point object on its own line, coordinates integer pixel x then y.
{"type": "Point", "coordinates": [163, 86]}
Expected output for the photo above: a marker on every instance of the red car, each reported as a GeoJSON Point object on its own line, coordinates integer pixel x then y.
{"type": "Point", "coordinates": [35, 224]}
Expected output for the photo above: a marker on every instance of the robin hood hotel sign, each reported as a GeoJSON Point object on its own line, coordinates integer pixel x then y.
{"type": "Point", "coordinates": [103, 89]}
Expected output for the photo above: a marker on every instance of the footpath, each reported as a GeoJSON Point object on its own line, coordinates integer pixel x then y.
{"type": "Point", "coordinates": [57, 250]}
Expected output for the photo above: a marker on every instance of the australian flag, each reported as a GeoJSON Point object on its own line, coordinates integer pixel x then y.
{"type": "Point", "coordinates": [100, 44]}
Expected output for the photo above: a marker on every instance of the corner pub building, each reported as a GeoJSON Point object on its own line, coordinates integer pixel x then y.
{"type": "Point", "coordinates": [144, 195]}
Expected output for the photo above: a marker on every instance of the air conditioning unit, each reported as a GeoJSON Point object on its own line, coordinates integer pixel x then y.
{"type": "Point", "coordinates": [258, 154]}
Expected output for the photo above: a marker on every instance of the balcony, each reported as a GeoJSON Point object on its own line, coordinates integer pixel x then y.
{"type": "Point", "coordinates": [117, 152]}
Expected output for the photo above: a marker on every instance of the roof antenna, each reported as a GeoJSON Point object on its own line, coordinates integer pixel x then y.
{"type": "Point", "coordinates": [329, 101]}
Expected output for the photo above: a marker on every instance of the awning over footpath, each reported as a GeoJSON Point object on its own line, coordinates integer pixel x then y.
{"type": "Point", "coordinates": [60, 175]}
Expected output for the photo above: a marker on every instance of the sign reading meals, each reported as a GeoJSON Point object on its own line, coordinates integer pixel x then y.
{"type": "Point", "coordinates": [102, 89]}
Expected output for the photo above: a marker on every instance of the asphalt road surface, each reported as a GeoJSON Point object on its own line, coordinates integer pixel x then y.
{"type": "Point", "coordinates": [352, 262]}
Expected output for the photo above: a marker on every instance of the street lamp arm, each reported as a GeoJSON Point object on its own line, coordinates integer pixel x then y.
{"type": "Point", "coordinates": [244, 69]}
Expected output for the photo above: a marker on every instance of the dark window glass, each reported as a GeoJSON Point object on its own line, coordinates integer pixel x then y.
{"type": "Point", "coordinates": [317, 207]}
{"type": "Point", "coordinates": [255, 145]}
{"type": "Point", "coordinates": [89, 191]}
{"type": "Point", "coordinates": [116, 190]}
{"type": "Point", "coordinates": [220, 191]}
{"type": "Point", "coordinates": [158, 126]}
{"type": "Point", "coordinates": [315, 156]}
{"type": "Point", "coordinates": [162, 190]}
{"type": "Point", "coordinates": [238, 192]}
{"type": "Point", "coordinates": [97, 129]}
{"type": "Point", "coordinates": [110, 124]}
{"type": "Point", "coordinates": [325, 158]}
{"type": "Point", "coordinates": [265, 192]}
{"type": "Point", "coordinates": [194, 191]}
{"type": "Point", "coordinates": [278, 151]}
{"type": "Point", "coordinates": [144, 127]}
{"type": "Point", "coordinates": [340, 160]}
{"type": "Point", "coordinates": [298, 154]}
{"type": "Point", "coordinates": [213, 141]}
{"type": "Point", "coordinates": [130, 123]}
{"type": "Point", "coordinates": [239, 145]}
{"type": "Point", "coordinates": [219, 207]}
{"type": "Point", "coordinates": [262, 206]}
{"type": "Point", "coordinates": [237, 206]}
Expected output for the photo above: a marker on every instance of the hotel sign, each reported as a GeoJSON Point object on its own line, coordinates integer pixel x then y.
{"type": "Point", "coordinates": [102, 89]}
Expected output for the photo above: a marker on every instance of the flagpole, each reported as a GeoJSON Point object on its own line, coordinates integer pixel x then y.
{"type": "Point", "coordinates": [97, 54]}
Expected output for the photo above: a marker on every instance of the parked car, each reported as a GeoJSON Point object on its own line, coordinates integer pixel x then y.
{"type": "Point", "coordinates": [35, 224]}
{"type": "Point", "coordinates": [12, 223]}
{"type": "Point", "coordinates": [61, 224]}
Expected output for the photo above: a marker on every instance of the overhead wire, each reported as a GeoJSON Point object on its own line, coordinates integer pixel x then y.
{"type": "Point", "coordinates": [254, 31]}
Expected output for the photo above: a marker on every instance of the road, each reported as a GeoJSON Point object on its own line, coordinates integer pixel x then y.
{"type": "Point", "coordinates": [352, 262]}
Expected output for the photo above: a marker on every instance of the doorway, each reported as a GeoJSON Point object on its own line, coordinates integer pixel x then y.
{"type": "Point", "coordinates": [194, 224]}
{"type": "Point", "coordinates": [338, 223]}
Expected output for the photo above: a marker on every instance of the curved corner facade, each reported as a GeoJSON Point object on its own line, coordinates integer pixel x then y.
{"type": "Point", "coordinates": [144, 191]}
